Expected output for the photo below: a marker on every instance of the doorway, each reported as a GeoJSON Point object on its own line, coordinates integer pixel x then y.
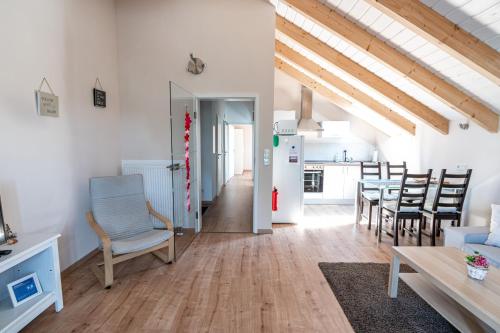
{"type": "Point", "coordinates": [227, 164]}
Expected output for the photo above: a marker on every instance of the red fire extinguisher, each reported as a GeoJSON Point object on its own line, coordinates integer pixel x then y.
{"type": "Point", "coordinates": [275, 199]}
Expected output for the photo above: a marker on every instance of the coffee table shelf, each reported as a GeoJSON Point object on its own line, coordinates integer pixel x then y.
{"type": "Point", "coordinates": [442, 281]}
{"type": "Point", "coordinates": [460, 317]}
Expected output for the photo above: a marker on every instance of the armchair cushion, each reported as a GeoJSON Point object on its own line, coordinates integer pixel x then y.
{"type": "Point", "coordinates": [458, 237]}
{"type": "Point", "coordinates": [492, 253]}
{"type": "Point", "coordinates": [119, 206]}
{"type": "Point", "coordinates": [140, 241]}
{"type": "Point", "coordinates": [494, 236]}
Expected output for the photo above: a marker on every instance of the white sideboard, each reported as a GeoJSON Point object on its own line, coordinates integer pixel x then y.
{"type": "Point", "coordinates": [32, 253]}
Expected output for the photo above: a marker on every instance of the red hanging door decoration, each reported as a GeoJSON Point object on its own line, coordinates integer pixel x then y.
{"type": "Point", "coordinates": [187, 129]}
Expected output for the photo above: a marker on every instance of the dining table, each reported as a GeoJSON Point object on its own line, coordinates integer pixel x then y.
{"type": "Point", "coordinates": [385, 186]}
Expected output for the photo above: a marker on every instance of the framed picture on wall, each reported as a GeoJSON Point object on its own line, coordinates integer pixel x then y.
{"type": "Point", "coordinates": [3, 236]}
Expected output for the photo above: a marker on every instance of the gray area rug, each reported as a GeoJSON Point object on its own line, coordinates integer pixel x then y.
{"type": "Point", "coordinates": [361, 290]}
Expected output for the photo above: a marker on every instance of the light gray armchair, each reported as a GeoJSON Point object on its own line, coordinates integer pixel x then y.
{"type": "Point", "coordinates": [470, 239]}
{"type": "Point", "coordinates": [122, 219]}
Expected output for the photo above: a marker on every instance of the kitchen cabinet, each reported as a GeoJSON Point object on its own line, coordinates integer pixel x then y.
{"type": "Point", "coordinates": [340, 183]}
{"type": "Point", "coordinates": [333, 182]}
{"type": "Point", "coordinates": [351, 179]}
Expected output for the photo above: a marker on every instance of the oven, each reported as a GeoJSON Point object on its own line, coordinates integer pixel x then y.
{"type": "Point", "coordinates": [313, 178]}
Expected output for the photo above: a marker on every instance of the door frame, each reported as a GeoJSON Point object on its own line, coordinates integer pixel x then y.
{"type": "Point", "coordinates": [255, 142]}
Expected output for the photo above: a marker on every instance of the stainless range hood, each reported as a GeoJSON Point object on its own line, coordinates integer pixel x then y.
{"type": "Point", "coordinates": [306, 123]}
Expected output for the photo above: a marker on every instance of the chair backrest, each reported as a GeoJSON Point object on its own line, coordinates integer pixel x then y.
{"type": "Point", "coordinates": [395, 171]}
{"type": "Point", "coordinates": [451, 191]}
{"type": "Point", "coordinates": [413, 190]}
{"type": "Point", "coordinates": [370, 171]}
{"type": "Point", "coordinates": [119, 205]}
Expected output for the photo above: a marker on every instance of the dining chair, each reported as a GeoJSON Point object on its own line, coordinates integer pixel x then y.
{"type": "Point", "coordinates": [395, 171]}
{"type": "Point", "coordinates": [448, 201]}
{"type": "Point", "coordinates": [370, 195]}
{"type": "Point", "coordinates": [409, 205]}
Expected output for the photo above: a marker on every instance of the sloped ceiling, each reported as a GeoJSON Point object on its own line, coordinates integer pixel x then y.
{"type": "Point", "coordinates": [480, 18]}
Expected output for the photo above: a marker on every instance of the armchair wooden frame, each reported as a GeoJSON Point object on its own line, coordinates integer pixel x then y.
{"type": "Point", "coordinates": [106, 276]}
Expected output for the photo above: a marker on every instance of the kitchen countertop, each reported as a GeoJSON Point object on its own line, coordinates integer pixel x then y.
{"type": "Point", "coordinates": [333, 163]}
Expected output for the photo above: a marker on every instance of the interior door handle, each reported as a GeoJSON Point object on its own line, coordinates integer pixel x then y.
{"type": "Point", "coordinates": [175, 166]}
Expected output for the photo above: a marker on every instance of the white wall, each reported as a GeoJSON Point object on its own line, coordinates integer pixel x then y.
{"type": "Point", "coordinates": [248, 143]}
{"type": "Point", "coordinates": [357, 150]}
{"type": "Point", "coordinates": [208, 166]}
{"type": "Point", "coordinates": [475, 148]}
{"type": "Point", "coordinates": [239, 150]}
{"type": "Point", "coordinates": [45, 163]}
{"type": "Point", "coordinates": [154, 41]}
{"type": "Point", "coordinates": [247, 146]}
{"type": "Point", "coordinates": [239, 112]}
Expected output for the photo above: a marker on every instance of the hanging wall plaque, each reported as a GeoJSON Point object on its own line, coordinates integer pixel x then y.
{"type": "Point", "coordinates": [99, 95]}
{"type": "Point", "coordinates": [47, 104]}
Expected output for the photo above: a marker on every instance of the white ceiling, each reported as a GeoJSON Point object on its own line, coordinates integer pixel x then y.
{"type": "Point", "coordinates": [479, 17]}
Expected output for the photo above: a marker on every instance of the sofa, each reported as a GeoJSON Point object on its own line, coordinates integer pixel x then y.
{"type": "Point", "coordinates": [470, 239]}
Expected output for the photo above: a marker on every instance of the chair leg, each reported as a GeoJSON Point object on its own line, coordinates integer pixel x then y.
{"type": "Point", "coordinates": [433, 230]}
{"type": "Point", "coordinates": [425, 222]}
{"type": "Point", "coordinates": [361, 208]}
{"type": "Point", "coordinates": [395, 223]}
{"type": "Point", "coordinates": [403, 227]}
{"type": "Point", "coordinates": [419, 233]}
{"type": "Point", "coordinates": [370, 216]}
{"type": "Point", "coordinates": [108, 267]}
{"type": "Point", "coordinates": [171, 250]}
{"type": "Point", "coordinates": [438, 229]}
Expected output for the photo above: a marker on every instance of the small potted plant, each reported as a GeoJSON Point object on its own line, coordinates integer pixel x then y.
{"type": "Point", "coordinates": [477, 266]}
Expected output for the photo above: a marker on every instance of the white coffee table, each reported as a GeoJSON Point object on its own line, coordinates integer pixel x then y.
{"type": "Point", "coordinates": [442, 281]}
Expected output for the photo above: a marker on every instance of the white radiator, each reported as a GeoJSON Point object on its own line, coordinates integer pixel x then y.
{"type": "Point", "coordinates": [158, 188]}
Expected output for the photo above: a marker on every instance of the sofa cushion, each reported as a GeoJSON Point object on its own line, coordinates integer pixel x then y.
{"type": "Point", "coordinates": [492, 253]}
{"type": "Point", "coordinates": [140, 241]}
{"type": "Point", "coordinates": [494, 236]}
{"type": "Point", "coordinates": [458, 237]}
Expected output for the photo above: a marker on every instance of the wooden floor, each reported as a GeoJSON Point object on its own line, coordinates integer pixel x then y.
{"type": "Point", "coordinates": [182, 241]}
{"type": "Point", "coordinates": [232, 210]}
{"type": "Point", "coordinates": [225, 282]}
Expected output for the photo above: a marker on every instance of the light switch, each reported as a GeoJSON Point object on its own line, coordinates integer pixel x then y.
{"type": "Point", "coordinates": [267, 157]}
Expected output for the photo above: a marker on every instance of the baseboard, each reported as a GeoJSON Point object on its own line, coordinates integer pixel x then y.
{"type": "Point", "coordinates": [264, 231]}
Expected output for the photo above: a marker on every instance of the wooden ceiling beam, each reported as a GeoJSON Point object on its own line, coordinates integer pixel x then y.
{"type": "Point", "coordinates": [370, 44]}
{"type": "Point", "coordinates": [344, 87]}
{"type": "Point", "coordinates": [310, 83]}
{"type": "Point", "coordinates": [412, 106]}
{"type": "Point", "coordinates": [443, 33]}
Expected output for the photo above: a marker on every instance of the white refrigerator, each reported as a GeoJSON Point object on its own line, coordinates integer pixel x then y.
{"type": "Point", "coordinates": [288, 178]}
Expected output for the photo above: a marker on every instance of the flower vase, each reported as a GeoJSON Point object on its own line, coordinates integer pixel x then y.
{"type": "Point", "coordinates": [477, 273]}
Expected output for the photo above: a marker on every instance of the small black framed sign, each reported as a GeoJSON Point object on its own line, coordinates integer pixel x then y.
{"type": "Point", "coordinates": [99, 98]}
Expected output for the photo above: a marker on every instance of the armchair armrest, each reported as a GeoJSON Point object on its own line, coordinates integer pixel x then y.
{"type": "Point", "coordinates": [458, 237]}
{"type": "Point", "coordinates": [105, 240]}
{"type": "Point", "coordinates": [152, 211]}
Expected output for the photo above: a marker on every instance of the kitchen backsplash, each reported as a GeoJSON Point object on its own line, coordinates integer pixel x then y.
{"type": "Point", "coordinates": [358, 151]}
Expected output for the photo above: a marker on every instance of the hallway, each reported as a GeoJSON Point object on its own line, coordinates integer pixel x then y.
{"type": "Point", "coordinates": [232, 210]}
